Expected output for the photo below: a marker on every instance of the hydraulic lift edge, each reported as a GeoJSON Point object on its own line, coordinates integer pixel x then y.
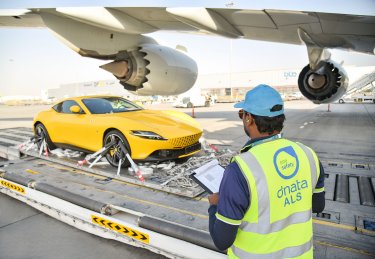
{"type": "Point", "coordinates": [137, 226]}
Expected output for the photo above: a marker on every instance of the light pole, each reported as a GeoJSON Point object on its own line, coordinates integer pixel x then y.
{"type": "Point", "coordinates": [230, 4]}
{"type": "Point", "coordinates": [230, 68]}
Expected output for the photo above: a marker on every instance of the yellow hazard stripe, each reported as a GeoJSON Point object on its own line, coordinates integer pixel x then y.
{"type": "Point", "coordinates": [332, 224]}
{"type": "Point", "coordinates": [31, 171]}
{"type": "Point", "coordinates": [343, 226]}
{"type": "Point", "coordinates": [13, 186]}
{"type": "Point", "coordinates": [135, 234]}
{"type": "Point", "coordinates": [366, 231]}
{"type": "Point", "coordinates": [344, 248]}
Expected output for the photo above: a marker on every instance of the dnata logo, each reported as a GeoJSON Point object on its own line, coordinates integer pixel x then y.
{"type": "Point", "coordinates": [286, 162]}
{"type": "Point", "coordinates": [293, 193]}
{"type": "Point", "coordinates": [290, 74]}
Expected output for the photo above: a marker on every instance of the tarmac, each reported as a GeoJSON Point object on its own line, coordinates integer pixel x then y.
{"type": "Point", "coordinates": [344, 133]}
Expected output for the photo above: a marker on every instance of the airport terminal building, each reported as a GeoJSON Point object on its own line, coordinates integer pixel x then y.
{"type": "Point", "coordinates": [225, 86]}
{"type": "Point", "coordinates": [110, 87]}
{"type": "Point", "coordinates": [232, 87]}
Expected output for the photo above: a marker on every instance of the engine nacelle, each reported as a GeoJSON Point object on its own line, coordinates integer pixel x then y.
{"type": "Point", "coordinates": [154, 70]}
{"type": "Point", "coordinates": [325, 84]}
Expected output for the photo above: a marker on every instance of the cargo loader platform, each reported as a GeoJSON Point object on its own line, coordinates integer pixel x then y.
{"type": "Point", "coordinates": [169, 222]}
{"type": "Point", "coordinates": [168, 176]}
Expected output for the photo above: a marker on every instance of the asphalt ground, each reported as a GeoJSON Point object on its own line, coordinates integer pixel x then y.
{"type": "Point", "coordinates": [346, 132]}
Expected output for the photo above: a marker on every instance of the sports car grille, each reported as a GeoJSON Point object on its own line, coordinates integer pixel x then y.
{"type": "Point", "coordinates": [185, 141]}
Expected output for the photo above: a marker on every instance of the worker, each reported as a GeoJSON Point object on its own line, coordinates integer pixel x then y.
{"type": "Point", "coordinates": [269, 191]}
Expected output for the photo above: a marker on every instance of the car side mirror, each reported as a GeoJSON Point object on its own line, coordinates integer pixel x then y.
{"type": "Point", "coordinates": [75, 109]}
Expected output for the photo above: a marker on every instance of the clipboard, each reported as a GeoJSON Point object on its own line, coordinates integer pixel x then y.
{"type": "Point", "coordinates": [209, 176]}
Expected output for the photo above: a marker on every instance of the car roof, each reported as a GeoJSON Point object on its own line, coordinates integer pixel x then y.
{"type": "Point", "coordinates": [90, 96]}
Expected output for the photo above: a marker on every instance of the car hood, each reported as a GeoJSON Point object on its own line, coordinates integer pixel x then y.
{"type": "Point", "coordinates": [166, 123]}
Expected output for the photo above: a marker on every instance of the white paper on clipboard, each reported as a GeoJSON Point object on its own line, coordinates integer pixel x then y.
{"type": "Point", "coordinates": [210, 175]}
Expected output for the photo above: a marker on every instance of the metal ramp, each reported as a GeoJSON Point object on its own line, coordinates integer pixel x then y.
{"type": "Point", "coordinates": [362, 84]}
{"type": "Point", "coordinates": [347, 221]}
{"type": "Point", "coordinates": [168, 224]}
{"type": "Point", "coordinates": [10, 139]}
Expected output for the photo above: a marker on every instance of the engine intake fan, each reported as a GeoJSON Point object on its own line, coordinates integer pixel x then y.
{"type": "Point", "coordinates": [327, 83]}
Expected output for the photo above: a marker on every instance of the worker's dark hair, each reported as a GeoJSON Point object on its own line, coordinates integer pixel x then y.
{"type": "Point", "coordinates": [269, 124]}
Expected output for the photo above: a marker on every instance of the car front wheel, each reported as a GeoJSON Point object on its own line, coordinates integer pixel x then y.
{"type": "Point", "coordinates": [41, 134]}
{"type": "Point", "coordinates": [116, 152]}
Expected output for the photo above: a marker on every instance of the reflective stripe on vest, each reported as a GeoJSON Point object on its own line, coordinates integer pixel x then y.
{"type": "Point", "coordinates": [263, 226]}
{"type": "Point", "coordinates": [288, 252]}
{"type": "Point", "coordinates": [313, 167]}
{"type": "Point", "coordinates": [260, 227]}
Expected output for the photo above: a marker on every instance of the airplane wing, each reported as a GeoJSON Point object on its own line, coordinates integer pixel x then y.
{"type": "Point", "coordinates": [352, 32]}
{"type": "Point", "coordinates": [119, 34]}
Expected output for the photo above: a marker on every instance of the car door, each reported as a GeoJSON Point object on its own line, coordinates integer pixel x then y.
{"type": "Point", "coordinates": [70, 128]}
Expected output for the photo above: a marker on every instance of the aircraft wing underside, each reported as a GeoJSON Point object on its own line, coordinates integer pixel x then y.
{"type": "Point", "coordinates": [352, 32]}
{"type": "Point", "coordinates": [120, 34]}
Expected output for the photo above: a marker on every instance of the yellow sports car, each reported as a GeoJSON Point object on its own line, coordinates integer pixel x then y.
{"type": "Point", "coordinates": [90, 122]}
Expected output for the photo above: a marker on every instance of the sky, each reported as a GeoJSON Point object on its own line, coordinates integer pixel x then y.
{"type": "Point", "coordinates": [33, 59]}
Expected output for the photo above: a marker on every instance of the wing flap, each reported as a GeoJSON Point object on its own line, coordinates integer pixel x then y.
{"type": "Point", "coordinates": [107, 18]}
{"type": "Point", "coordinates": [205, 19]}
{"type": "Point", "coordinates": [13, 12]}
{"type": "Point", "coordinates": [19, 18]}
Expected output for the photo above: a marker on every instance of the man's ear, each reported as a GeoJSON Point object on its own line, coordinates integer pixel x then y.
{"type": "Point", "coordinates": [248, 119]}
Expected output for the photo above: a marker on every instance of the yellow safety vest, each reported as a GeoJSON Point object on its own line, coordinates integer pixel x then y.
{"type": "Point", "coordinates": [281, 176]}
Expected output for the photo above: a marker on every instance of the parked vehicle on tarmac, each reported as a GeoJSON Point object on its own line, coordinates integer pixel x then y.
{"type": "Point", "coordinates": [344, 100]}
{"type": "Point", "coordinates": [88, 123]}
{"type": "Point", "coordinates": [194, 101]}
{"type": "Point", "coordinates": [359, 98]}
{"type": "Point", "coordinates": [362, 98]}
{"type": "Point", "coordinates": [294, 96]}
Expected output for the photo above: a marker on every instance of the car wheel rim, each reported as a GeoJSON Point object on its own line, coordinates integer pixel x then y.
{"type": "Point", "coordinates": [115, 152]}
{"type": "Point", "coordinates": [40, 135]}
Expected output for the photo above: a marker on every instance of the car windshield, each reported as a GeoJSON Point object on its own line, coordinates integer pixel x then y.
{"type": "Point", "coordinates": [102, 105]}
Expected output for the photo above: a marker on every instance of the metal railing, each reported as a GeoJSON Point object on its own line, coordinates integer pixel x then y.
{"type": "Point", "coordinates": [363, 83]}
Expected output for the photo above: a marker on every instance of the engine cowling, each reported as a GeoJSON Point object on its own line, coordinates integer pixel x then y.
{"type": "Point", "coordinates": [154, 70]}
{"type": "Point", "coordinates": [326, 83]}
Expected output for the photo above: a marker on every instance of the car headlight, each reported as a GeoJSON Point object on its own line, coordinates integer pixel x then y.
{"type": "Point", "coordinates": [147, 134]}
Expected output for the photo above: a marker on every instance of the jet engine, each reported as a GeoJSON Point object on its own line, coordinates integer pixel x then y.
{"type": "Point", "coordinates": [325, 84]}
{"type": "Point", "coordinates": [154, 70]}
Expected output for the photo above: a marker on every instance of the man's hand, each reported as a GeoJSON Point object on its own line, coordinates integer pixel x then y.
{"type": "Point", "coordinates": [213, 198]}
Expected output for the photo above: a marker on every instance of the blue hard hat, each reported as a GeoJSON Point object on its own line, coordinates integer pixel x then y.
{"type": "Point", "coordinates": [260, 100]}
